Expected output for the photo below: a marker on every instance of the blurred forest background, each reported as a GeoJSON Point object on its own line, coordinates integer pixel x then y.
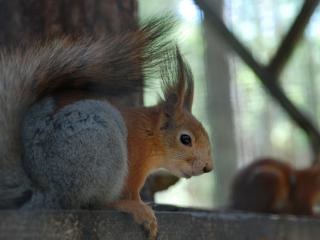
{"type": "Point", "coordinates": [243, 121]}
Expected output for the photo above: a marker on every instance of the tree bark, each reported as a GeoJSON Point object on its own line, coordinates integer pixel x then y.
{"type": "Point", "coordinates": [34, 19]}
{"type": "Point", "coordinates": [24, 21]}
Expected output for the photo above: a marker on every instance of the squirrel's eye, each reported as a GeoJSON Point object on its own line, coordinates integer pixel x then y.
{"type": "Point", "coordinates": [185, 139]}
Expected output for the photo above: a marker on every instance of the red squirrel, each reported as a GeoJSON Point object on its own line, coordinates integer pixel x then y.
{"type": "Point", "coordinates": [64, 145]}
{"type": "Point", "coordinates": [272, 186]}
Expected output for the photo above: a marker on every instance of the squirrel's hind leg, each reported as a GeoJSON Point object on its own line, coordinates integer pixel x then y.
{"type": "Point", "coordinates": [75, 157]}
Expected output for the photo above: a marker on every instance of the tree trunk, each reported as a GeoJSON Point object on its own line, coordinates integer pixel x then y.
{"type": "Point", "coordinates": [20, 19]}
{"type": "Point", "coordinates": [220, 111]}
{"type": "Point", "coordinates": [24, 21]}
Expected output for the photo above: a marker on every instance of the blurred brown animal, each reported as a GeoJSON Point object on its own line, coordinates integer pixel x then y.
{"type": "Point", "coordinates": [273, 186]}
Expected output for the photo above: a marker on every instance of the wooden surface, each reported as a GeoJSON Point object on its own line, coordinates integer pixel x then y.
{"type": "Point", "coordinates": [179, 225]}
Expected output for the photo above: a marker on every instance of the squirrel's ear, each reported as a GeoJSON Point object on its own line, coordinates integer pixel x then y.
{"type": "Point", "coordinates": [171, 104]}
{"type": "Point", "coordinates": [177, 85]}
{"type": "Point", "coordinates": [185, 76]}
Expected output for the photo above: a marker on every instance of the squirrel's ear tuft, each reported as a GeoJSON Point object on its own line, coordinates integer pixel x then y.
{"type": "Point", "coordinates": [185, 75]}
{"type": "Point", "coordinates": [177, 84]}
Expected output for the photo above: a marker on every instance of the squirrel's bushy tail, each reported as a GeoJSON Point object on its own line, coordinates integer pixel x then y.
{"type": "Point", "coordinates": [113, 65]}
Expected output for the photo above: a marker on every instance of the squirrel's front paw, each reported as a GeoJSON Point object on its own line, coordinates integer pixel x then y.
{"type": "Point", "coordinates": [142, 214]}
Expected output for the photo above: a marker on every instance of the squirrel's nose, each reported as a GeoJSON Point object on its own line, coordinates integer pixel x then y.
{"type": "Point", "coordinates": [207, 168]}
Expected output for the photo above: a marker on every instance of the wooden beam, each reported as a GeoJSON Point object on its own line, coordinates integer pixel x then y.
{"type": "Point", "coordinates": [292, 37]}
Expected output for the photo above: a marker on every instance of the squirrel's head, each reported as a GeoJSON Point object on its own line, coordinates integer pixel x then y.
{"type": "Point", "coordinates": [186, 145]}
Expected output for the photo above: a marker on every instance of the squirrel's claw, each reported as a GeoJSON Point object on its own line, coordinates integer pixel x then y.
{"type": "Point", "coordinates": [151, 228]}
{"type": "Point", "coordinates": [142, 214]}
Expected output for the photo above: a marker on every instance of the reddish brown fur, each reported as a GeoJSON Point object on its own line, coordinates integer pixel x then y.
{"type": "Point", "coordinates": [272, 186]}
{"type": "Point", "coordinates": [151, 146]}
{"type": "Point", "coordinates": [307, 191]}
{"type": "Point", "coordinates": [143, 142]}
{"type": "Point", "coordinates": [146, 146]}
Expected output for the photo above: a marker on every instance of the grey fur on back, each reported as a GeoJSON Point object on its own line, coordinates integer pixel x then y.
{"type": "Point", "coordinates": [76, 156]}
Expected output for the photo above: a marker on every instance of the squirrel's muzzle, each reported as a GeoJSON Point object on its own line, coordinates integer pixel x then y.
{"type": "Point", "coordinates": [208, 168]}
